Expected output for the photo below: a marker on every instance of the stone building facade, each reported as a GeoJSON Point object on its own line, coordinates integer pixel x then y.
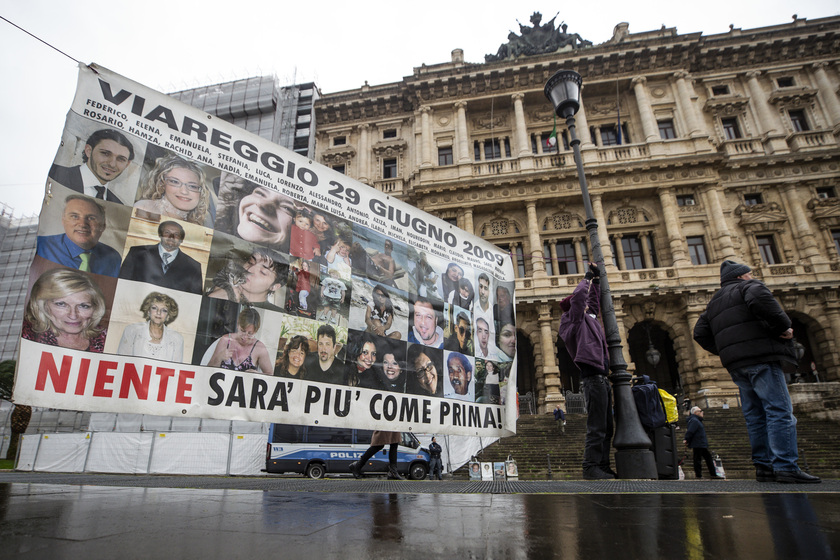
{"type": "Point", "coordinates": [696, 148]}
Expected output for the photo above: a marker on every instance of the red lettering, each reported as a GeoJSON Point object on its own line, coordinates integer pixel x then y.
{"type": "Point", "coordinates": [132, 379]}
{"type": "Point", "coordinates": [47, 367]}
{"type": "Point", "coordinates": [104, 378]}
{"type": "Point", "coordinates": [83, 373]}
{"type": "Point", "coordinates": [184, 386]}
{"type": "Point", "coordinates": [165, 374]}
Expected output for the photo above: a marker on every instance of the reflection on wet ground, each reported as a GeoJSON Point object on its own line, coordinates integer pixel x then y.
{"type": "Point", "coordinates": [94, 521]}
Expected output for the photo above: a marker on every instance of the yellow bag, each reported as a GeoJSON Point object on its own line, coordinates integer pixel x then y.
{"type": "Point", "coordinates": [671, 412]}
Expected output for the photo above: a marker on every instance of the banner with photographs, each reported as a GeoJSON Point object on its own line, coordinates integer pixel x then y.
{"type": "Point", "coordinates": [186, 267]}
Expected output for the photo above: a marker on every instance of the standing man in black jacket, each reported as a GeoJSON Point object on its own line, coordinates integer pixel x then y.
{"type": "Point", "coordinates": [435, 465]}
{"type": "Point", "coordinates": [747, 328]}
{"type": "Point", "coordinates": [695, 439]}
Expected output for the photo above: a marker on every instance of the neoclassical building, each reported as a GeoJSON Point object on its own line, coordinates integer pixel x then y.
{"type": "Point", "coordinates": [696, 148]}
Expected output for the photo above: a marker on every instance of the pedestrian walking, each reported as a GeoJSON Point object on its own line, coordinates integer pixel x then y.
{"type": "Point", "coordinates": [695, 439]}
{"type": "Point", "coordinates": [378, 442]}
{"type": "Point", "coordinates": [749, 330]}
{"type": "Point", "coordinates": [586, 343]}
{"type": "Point", "coordinates": [560, 419]}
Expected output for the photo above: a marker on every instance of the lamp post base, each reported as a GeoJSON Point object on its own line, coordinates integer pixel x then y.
{"type": "Point", "coordinates": [636, 463]}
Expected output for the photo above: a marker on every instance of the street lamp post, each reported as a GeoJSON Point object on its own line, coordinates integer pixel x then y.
{"type": "Point", "coordinates": [633, 457]}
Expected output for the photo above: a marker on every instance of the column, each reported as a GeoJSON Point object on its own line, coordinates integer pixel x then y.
{"type": "Point", "coordinates": [688, 111]}
{"type": "Point", "coordinates": [581, 266]}
{"type": "Point", "coordinates": [551, 373]}
{"type": "Point", "coordinates": [555, 264]}
{"type": "Point", "coordinates": [426, 136]}
{"type": "Point", "coordinates": [523, 145]}
{"type": "Point", "coordinates": [619, 252]}
{"type": "Point", "coordinates": [649, 126]}
{"type": "Point", "coordinates": [364, 153]}
{"type": "Point", "coordinates": [679, 254]}
{"type": "Point", "coordinates": [515, 259]}
{"type": "Point", "coordinates": [644, 237]}
{"type": "Point", "coordinates": [827, 92]}
{"type": "Point", "coordinates": [582, 126]}
{"type": "Point", "coordinates": [537, 263]}
{"type": "Point", "coordinates": [768, 122]}
{"type": "Point", "coordinates": [468, 221]}
{"type": "Point", "coordinates": [603, 236]}
{"type": "Point", "coordinates": [803, 234]}
{"type": "Point", "coordinates": [599, 141]}
{"type": "Point", "coordinates": [832, 312]}
{"type": "Point", "coordinates": [464, 155]}
{"type": "Point", "coordinates": [720, 231]}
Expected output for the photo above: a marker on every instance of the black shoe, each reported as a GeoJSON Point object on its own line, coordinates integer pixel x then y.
{"type": "Point", "coordinates": [764, 474]}
{"type": "Point", "coordinates": [356, 470]}
{"type": "Point", "coordinates": [594, 473]}
{"type": "Point", "coordinates": [609, 471]}
{"type": "Point", "coordinates": [394, 475]}
{"type": "Point", "coordinates": [796, 477]}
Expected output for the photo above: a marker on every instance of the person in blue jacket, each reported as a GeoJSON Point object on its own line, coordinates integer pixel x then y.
{"type": "Point", "coordinates": [695, 439]}
{"type": "Point", "coordinates": [586, 343]}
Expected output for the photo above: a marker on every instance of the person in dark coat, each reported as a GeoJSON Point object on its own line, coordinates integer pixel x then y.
{"type": "Point", "coordinates": [435, 464]}
{"type": "Point", "coordinates": [695, 439]}
{"type": "Point", "coordinates": [164, 264]}
{"type": "Point", "coordinates": [586, 343]}
{"type": "Point", "coordinates": [378, 442]}
{"type": "Point", "coordinates": [749, 330]}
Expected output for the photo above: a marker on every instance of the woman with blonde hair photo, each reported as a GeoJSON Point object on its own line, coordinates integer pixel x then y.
{"type": "Point", "coordinates": [153, 338]}
{"type": "Point", "coordinates": [176, 188]}
{"type": "Point", "coordinates": [64, 309]}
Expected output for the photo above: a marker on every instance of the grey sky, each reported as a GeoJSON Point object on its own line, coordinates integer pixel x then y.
{"type": "Point", "coordinates": [170, 45]}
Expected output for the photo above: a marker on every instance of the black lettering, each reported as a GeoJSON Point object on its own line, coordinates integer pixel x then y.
{"type": "Point", "coordinates": [259, 388]}
{"type": "Point", "coordinates": [279, 398]}
{"type": "Point", "coordinates": [374, 413]}
{"type": "Point", "coordinates": [307, 176]}
{"type": "Point", "coordinates": [272, 162]}
{"type": "Point", "coordinates": [237, 392]}
{"type": "Point", "coordinates": [444, 411]}
{"type": "Point", "coordinates": [409, 411]}
{"type": "Point", "coordinates": [389, 409]}
{"type": "Point", "coordinates": [246, 150]}
{"type": "Point", "coordinates": [192, 125]}
{"type": "Point", "coordinates": [489, 420]}
{"type": "Point", "coordinates": [215, 379]}
{"type": "Point", "coordinates": [220, 139]}
{"type": "Point", "coordinates": [475, 416]}
{"type": "Point", "coordinates": [427, 411]}
{"type": "Point", "coordinates": [163, 114]}
{"type": "Point", "coordinates": [115, 99]}
{"type": "Point", "coordinates": [313, 395]}
{"type": "Point", "coordinates": [339, 411]}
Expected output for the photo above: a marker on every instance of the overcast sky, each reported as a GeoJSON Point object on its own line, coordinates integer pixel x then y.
{"type": "Point", "coordinates": [171, 45]}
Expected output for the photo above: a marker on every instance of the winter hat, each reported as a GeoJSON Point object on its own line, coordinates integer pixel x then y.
{"type": "Point", "coordinates": [566, 304]}
{"type": "Point", "coordinates": [730, 270]}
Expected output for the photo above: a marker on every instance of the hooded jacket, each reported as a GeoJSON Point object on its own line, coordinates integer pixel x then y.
{"type": "Point", "coordinates": [742, 324]}
{"type": "Point", "coordinates": [581, 333]}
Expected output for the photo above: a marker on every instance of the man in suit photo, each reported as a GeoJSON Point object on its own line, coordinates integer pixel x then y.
{"type": "Point", "coordinates": [79, 247]}
{"type": "Point", "coordinates": [164, 264]}
{"type": "Point", "coordinates": [107, 153]}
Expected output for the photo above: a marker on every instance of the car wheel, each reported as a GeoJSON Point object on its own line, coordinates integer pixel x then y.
{"type": "Point", "coordinates": [315, 470]}
{"type": "Point", "coordinates": [418, 471]}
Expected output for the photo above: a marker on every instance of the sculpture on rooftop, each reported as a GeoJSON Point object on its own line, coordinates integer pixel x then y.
{"type": "Point", "coordinates": [539, 39]}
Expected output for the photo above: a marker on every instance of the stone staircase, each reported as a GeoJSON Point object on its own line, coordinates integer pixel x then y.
{"type": "Point", "coordinates": [542, 453]}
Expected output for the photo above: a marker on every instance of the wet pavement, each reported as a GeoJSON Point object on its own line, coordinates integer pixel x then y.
{"type": "Point", "coordinates": [56, 516]}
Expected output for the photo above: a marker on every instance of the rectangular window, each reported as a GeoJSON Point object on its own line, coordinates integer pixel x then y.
{"type": "Point", "coordinates": [390, 133]}
{"type": "Point", "coordinates": [730, 128]}
{"type": "Point", "coordinates": [549, 266]}
{"type": "Point", "coordinates": [339, 140]}
{"type": "Point", "coordinates": [520, 261]}
{"type": "Point", "coordinates": [686, 200]}
{"type": "Point", "coordinates": [339, 168]}
{"type": "Point", "coordinates": [798, 120]}
{"type": "Point", "coordinates": [389, 168]}
{"type": "Point", "coordinates": [304, 119]}
{"type": "Point", "coordinates": [753, 199]}
{"type": "Point", "coordinates": [666, 130]}
{"type": "Point", "coordinates": [835, 235]}
{"type": "Point", "coordinates": [720, 90]}
{"type": "Point", "coordinates": [566, 261]}
{"type": "Point", "coordinates": [584, 252]}
{"type": "Point", "coordinates": [826, 192]}
{"type": "Point", "coordinates": [445, 156]}
{"type": "Point", "coordinates": [785, 81]}
{"type": "Point", "coordinates": [632, 252]}
{"type": "Point", "coordinates": [609, 136]}
{"type": "Point", "coordinates": [767, 248]}
{"type": "Point", "coordinates": [492, 149]}
{"type": "Point", "coordinates": [477, 148]}
{"type": "Point", "coordinates": [697, 250]}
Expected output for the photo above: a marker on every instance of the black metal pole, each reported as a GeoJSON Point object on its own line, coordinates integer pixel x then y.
{"type": "Point", "coordinates": [633, 456]}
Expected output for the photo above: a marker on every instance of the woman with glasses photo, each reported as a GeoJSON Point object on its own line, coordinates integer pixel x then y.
{"type": "Point", "coordinates": [424, 363]}
{"type": "Point", "coordinates": [242, 351]}
{"type": "Point", "coordinates": [153, 338]}
{"type": "Point", "coordinates": [176, 188]}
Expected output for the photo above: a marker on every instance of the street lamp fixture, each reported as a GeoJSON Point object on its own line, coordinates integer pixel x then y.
{"type": "Point", "coordinates": [652, 355]}
{"type": "Point", "coordinates": [633, 457]}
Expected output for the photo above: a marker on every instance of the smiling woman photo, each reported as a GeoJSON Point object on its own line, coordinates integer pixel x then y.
{"type": "Point", "coordinates": [64, 309]}
{"type": "Point", "coordinates": [153, 338]}
{"type": "Point", "coordinates": [256, 214]}
{"type": "Point", "coordinates": [176, 188]}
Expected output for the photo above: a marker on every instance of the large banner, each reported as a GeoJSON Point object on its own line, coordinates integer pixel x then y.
{"type": "Point", "coordinates": [186, 267]}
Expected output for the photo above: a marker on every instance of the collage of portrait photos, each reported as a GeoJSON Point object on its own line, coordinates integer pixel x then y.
{"type": "Point", "coordinates": [143, 252]}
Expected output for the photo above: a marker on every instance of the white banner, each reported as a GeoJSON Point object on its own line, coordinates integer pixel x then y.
{"type": "Point", "coordinates": [186, 267]}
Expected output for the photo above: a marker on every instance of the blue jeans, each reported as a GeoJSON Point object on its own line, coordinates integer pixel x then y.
{"type": "Point", "coordinates": [766, 405]}
{"type": "Point", "coordinates": [599, 421]}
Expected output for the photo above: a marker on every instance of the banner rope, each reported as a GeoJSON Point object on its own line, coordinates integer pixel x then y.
{"type": "Point", "coordinates": [38, 38]}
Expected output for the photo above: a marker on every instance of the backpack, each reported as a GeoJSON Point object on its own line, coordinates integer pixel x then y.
{"type": "Point", "coordinates": [649, 404]}
{"type": "Point", "coordinates": [670, 403]}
